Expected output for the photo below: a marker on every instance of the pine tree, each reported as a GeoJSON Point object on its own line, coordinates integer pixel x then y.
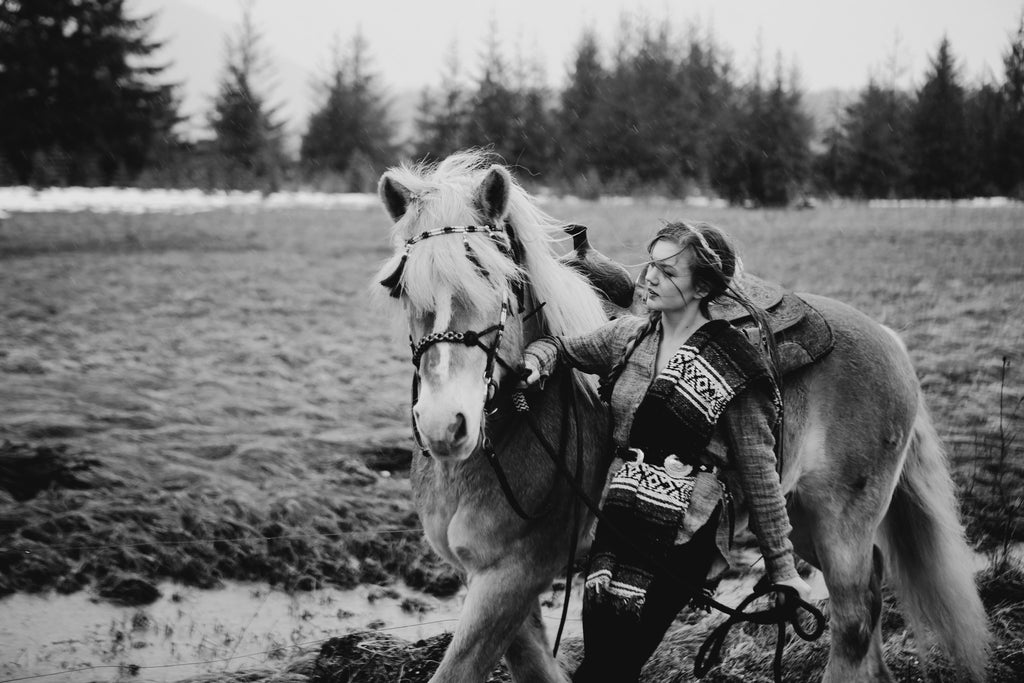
{"type": "Point", "coordinates": [489, 113]}
{"type": "Point", "coordinates": [707, 90]}
{"type": "Point", "coordinates": [1012, 127]}
{"type": "Point", "coordinates": [659, 117]}
{"type": "Point", "coordinates": [984, 117]}
{"type": "Point", "coordinates": [939, 144]}
{"type": "Point", "coordinates": [765, 158]}
{"type": "Point", "coordinates": [351, 132]}
{"type": "Point", "coordinates": [79, 85]}
{"type": "Point", "coordinates": [581, 103]}
{"type": "Point", "coordinates": [532, 127]}
{"type": "Point", "coordinates": [639, 123]}
{"type": "Point", "coordinates": [875, 134]}
{"type": "Point", "coordinates": [248, 132]}
{"type": "Point", "coordinates": [441, 119]}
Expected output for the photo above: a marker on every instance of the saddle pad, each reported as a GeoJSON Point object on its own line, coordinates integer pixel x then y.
{"type": "Point", "coordinates": [762, 293]}
{"type": "Point", "coordinates": [802, 335]}
{"type": "Point", "coordinates": [806, 341]}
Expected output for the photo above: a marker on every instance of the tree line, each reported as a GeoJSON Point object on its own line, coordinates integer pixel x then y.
{"type": "Point", "coordinates": [83, 101]}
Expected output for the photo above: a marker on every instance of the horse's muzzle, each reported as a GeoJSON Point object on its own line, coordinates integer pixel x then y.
{"type": "Point", "coordinates": [446, 435]}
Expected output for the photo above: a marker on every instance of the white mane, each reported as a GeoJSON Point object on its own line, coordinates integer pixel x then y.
{"type": "Point", "coordinates": [442, 195]}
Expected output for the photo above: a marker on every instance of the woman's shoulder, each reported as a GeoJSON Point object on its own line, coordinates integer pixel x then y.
{"type": "Point", "coordinates": [624, 326]}
{"type": "Point", "coordinates": [735, 343]}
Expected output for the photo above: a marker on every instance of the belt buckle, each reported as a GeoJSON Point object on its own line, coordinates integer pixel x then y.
{"type": "Point", "coordinates": [677, 469]}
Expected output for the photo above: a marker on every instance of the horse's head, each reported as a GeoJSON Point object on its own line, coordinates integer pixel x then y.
{"type": "Point", "coordinates": [471, 266]}
{"type": "Point", "coordinates": [459, 276]}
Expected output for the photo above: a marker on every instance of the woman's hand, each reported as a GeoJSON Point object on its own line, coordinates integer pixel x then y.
{"type": "Point", "coordinates": [529, 374]}
{"type": "Point", "coordinates": [801, 587]}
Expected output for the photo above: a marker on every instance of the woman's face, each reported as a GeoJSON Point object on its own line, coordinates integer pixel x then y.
{"type": "Point", "coordinates": [669, 278]}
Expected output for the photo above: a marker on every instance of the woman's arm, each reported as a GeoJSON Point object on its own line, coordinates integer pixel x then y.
{"type": "Point", "coordinates": [594, 352]}
{"type": "Point", "coordinates": [747, 426]}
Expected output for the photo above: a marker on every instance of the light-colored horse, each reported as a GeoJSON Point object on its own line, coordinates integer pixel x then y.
{"type": "Point", "coordinates": [871, 495]}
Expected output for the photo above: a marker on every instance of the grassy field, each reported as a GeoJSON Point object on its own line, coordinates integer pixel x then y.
{"type": "Point", "coordinates": [170, 384]}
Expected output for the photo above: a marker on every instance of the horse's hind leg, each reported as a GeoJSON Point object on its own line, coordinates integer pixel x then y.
{"type": "Point", "coordinates": [529, 657]}
{"type": "Point", "coordinates": [853, 570]}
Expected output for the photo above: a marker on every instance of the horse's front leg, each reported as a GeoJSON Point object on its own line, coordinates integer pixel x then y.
{"type": "Point", "coordinates": [498, 600]}
{"type": "Point", "coordinates": [529, 657]}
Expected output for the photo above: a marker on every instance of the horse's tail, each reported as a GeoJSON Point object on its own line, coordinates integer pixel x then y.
{"type": "Point", "coordinates": [929, 560]}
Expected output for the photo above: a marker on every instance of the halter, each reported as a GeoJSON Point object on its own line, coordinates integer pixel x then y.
{"type": "Point", "coordinates": [509, 247]}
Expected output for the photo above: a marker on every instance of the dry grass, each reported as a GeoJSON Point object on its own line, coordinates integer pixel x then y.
{"type": "Point", "coordinates": [223, 376]}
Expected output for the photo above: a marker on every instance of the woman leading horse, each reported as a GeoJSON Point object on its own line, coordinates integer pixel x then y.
{"type": "Point", "coordinates": [869, 492]}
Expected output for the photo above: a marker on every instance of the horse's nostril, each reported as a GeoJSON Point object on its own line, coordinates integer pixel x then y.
{"type": "Point", "coordinates": [459, 428]}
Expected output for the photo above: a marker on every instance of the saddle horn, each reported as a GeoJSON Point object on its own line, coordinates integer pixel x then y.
{"type": "Point", "coordinates": [580, 241]}
{"type": "Point", "coordinates": [606, 275]}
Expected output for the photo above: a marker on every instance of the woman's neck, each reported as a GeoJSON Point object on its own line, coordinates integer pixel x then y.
{"type": "Point", "coordinates": [682, 323]}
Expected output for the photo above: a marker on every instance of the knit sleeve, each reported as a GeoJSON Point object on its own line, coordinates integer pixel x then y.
{"type": "Point", "coordinates": [594, 352]}
{"type": "Point", "coordinates": [747, 427]}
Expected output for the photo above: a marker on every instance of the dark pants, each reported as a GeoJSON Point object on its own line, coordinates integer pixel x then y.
{"type": "Point", "coordinates": [615, 648]}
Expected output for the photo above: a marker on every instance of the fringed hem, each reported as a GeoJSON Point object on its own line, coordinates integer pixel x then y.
{"type": "Point", "coordinates": [622, 597]}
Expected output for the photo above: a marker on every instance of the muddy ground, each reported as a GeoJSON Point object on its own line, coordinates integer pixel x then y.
{"type": "Point", "coordinates": [215, 396]}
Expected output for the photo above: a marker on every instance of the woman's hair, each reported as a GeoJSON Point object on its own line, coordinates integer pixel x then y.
{"type": "Point", "coordinates": [713, 262]}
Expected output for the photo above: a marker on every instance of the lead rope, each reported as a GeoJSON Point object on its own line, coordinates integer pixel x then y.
{"type": "Point", "coordinates": [521, 406]}
{"type": "Point", "coordinates": [574, 539]}
{"type": "Point", "coordinates": [785, 611]}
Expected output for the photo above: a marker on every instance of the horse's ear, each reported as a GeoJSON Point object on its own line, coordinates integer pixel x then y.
{"type": "Point", "coordinates": [492, 195]}
{"type": "Point", "coordinates": [396, 197]}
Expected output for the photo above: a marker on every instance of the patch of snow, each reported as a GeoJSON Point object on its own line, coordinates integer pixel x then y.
{"type": "Point", "coordinates": [972, 203]}
{"type": "Point", "coordinates": [135, 200]}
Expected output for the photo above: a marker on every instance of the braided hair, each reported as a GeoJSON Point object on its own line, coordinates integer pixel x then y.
{"type": "Point", "coordinates": [607, 382]}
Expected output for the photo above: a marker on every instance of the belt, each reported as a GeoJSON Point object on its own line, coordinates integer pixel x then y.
{"type": "Point", "coordinates": [672, 463]}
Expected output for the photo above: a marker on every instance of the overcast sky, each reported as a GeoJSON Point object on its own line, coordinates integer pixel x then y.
{"type": "Point", "coordinates": [834, 44]}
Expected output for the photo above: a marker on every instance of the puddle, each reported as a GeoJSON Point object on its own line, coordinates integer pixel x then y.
{"type": "Point", "coordinates": [191, 631]}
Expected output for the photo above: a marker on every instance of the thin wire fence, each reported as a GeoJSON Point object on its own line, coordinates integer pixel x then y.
{"type": "Point", "coordinates": [217, 660]}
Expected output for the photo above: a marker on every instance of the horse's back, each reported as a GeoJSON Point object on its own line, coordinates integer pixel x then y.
{"type": "Point", "coordinates": [850, 413]}
{"type": "Point", "coordinates": [866, 353]}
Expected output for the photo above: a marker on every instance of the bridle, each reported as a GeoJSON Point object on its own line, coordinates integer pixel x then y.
{"type": "Point", "coordinates": [471, 338]}
{"type": "Point", "coordinates": [509, 246]}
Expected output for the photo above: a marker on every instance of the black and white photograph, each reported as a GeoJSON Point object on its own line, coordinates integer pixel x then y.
{"type": "Point", "coordinates": [470, 341]}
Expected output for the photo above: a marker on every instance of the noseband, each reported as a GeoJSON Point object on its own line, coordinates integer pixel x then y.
{"type": "Point", "coordinates": [470, 338]}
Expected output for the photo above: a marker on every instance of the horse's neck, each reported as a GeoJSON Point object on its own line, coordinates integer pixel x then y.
{"type": "Point", "coordinates": [564, 405]}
